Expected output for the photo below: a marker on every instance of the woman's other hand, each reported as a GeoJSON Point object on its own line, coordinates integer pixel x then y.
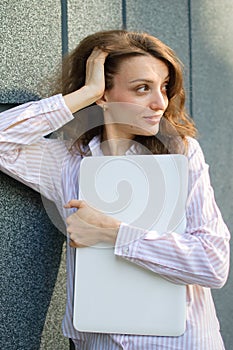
{"type": "Point", "coordinates": [88, 226]}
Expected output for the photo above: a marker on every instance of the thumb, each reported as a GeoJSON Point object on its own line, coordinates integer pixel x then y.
{"type": "Point", "coordinates": [75, 203]}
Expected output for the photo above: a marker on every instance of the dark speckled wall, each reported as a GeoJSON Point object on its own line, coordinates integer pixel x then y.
{"type": "Point", "coordinates": [34, 35]}
{"type": "Point", "coordinates": [31, 248]}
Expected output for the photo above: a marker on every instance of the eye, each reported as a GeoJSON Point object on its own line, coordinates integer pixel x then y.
{"type": "Point", "coordinates": [164, 87]}
{"type": "Point", "coordinates": [142, 88]}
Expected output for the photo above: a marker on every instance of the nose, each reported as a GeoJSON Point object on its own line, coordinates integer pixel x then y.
{"type": "Point", "coordinates": [159, 101]}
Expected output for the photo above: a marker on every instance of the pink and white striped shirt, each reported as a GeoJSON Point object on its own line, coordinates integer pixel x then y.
{"type": "Point", "coordinates": [199, 258]}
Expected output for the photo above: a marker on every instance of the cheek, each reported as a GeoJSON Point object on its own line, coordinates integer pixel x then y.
{"type": "Point", "coordinates": [119, 94]}
{"type": "Point", "coordinates": [120, 97]}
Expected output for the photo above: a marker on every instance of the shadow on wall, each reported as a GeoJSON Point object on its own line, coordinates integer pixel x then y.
{"type": "Point", "coordinates": [17, 96]}
{"type": "Point", "coordinates": [29, 258]}
{"type": "Point", "coordinates": [212, 74]}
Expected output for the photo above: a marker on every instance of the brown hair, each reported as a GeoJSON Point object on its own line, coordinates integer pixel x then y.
{"type": "Point", "coordinates": [120, 44]}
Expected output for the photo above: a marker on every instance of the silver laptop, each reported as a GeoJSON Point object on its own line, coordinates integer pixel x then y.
{"type": "Point", "coordinates": [111, 294]}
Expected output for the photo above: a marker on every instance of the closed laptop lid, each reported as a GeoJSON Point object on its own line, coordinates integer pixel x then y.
{"type": "Point", "coordinates": [111, 294]}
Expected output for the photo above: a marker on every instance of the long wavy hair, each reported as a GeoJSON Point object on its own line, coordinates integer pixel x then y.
{"type": "Point", "coordinates": [175, 125]}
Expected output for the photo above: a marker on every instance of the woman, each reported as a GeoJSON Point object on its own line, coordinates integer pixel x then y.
{"type": "Point", "coordinates": [117, 69]}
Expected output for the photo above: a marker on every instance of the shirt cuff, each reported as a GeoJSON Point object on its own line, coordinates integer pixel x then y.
{"type": "Point", "coordinates": [56, 111]}
{"type": "Point", "coordinates": [127, 241]}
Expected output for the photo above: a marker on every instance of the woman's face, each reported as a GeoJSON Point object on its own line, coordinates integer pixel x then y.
{"type": "Point", "coordinates": [138, 99]}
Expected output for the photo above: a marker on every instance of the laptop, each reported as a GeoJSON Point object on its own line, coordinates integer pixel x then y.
{"type": "Point", "coordinates": [111, 294]}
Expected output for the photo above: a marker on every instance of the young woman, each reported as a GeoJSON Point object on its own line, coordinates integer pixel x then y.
{"type": "Point", "coordinates": [137, 81]}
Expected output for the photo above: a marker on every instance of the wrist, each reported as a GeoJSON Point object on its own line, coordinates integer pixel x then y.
{"type": "Point", "coordinates": [110, 227]}
{"type": "Point", "coordinates": [110, 234]}
{"type": "Point", "coordinates": [80, 99]}
{"type": "Point", "coordinates": [93, 93]}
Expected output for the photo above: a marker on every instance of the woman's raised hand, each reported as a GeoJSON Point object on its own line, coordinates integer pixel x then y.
{"type": "Point", "coordinates": [94, 84]}
{"type": "Point", "coordinates": [95, 79]}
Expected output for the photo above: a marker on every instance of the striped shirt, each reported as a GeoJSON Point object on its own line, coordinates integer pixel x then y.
{"type": "Point", "coordinates": [199, 258]}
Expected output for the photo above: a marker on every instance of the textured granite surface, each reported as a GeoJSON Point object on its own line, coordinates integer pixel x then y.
{"type": "Point", "coordinates": [167, 20]}
{"type": "Point", "coordinates": [30, 253]}
{"type": "Point", "coordinates": [30, 44]}
{"type": "Point", "coordinates": [87, 17]}
{"type": "Point", "coordinates": [52, 336]}
{"type": "Point", "coordinates": [212, 55]}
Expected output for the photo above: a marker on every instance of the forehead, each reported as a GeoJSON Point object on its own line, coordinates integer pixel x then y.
{"type": "Point", "coordinates": [146, 66]}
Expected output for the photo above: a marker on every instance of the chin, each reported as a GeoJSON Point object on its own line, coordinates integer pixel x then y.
{"type": "Point", "coordinates": [152, 131]}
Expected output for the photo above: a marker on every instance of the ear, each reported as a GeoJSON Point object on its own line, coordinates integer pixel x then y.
{"type": "Point", "coordinates": [101, 101]}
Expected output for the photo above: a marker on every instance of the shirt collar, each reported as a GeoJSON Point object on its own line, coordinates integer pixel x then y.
{"type": "Point", "coordinates": [95, 149]}
{"type": "Point", "coordinates": [94, 146]}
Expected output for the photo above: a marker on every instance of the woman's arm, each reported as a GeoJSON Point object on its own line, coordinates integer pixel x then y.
{"type": "Point", "coordinates": [23, 148]}
{"type": "Point", "coordinates": [199, 256]}
{"type": "Point", "coordinates": [24, 152]}
{"type": "Point", "coordinates": [27, 123]}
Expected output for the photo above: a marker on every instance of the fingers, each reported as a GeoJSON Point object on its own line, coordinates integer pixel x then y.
{"type": "Point", "coordinates": [96, 59]}
{"type": "Point", "coordinates": [98, 53]}
{"type": "Point", "coordinates": [76, 245]}
{"type": "Point", "coordinates": [95, 79]}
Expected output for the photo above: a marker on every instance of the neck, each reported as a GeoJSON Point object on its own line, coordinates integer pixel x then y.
{"type": "Point", "coordinates": [114, 143]}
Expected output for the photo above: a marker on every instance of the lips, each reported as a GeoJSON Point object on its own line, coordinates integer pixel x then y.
{"type": "Point", "coordinates": [152, 119]}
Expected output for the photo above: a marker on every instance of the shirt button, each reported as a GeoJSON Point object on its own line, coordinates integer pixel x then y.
{"type": "Point", "coordinates": [53, 106]}
{"type": "Point", "coordinates": [126, 250]}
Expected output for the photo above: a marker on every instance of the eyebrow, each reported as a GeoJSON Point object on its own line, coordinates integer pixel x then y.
{"type": "Point", "coordinates": [139, 80]}
{"type": "Point", "coordinates": [145, 80]}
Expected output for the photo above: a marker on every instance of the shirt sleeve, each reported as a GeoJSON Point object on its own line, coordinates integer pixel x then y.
{"type": "Point", "coordinates": [200, 255]}
{"type": "Point", "coordinates": [25, 153]}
